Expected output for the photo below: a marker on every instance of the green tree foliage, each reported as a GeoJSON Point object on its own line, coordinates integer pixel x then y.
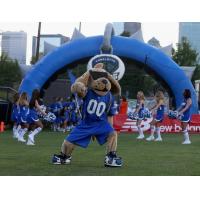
{"type": "Point", "coordinates": [196, 74]}
{"type": "Point", "coordinates": [185, 55]}
{"type": "Point", "coordinates": [136, 78]}
{"type": "Point", "coordinates": [10, 73]}
{"type": "Point", "coordinates": [33, 58]}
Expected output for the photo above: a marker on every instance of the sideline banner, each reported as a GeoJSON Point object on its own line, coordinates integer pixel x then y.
{"type": "Point", "coordinates": [123, 124]}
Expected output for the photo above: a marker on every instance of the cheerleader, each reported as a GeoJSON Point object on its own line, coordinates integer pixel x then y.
{"type": "Point", "coordinates": [24, 111]}
{"type": "Point", "coordinates": [185, 115]}
{"type": "Point", "coordinates": [140, 112]}
{"type": "Point", "coordinates": [33, 118]}
{"type": "Point", "coordinates": [15, 116]}
{"type": "Point", "coordinates": [158, 116]}
{"type": "Point", "coordinates": [65, 118]}
{"type": "Point", "coordinates": [70, 117]}
{"type": "Point", "coordinates": [54, 110]}
{"type": "Point", "coordinates": [59, 108]}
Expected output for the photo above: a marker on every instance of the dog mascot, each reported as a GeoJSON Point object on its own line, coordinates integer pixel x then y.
{"type": "Point", "coordinates": [96, 87]}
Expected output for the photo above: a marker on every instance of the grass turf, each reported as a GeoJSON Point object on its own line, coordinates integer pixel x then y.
{"type": "Point", "coordinates": [140, 157]}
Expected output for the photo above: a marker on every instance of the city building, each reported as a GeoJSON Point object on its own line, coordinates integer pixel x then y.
{"type": "Point", "coordinates": [14, 44]}
{"type": "Point", "coordinates": [48, 42]}
{"type": "Point", "coordinates": [190, 30]}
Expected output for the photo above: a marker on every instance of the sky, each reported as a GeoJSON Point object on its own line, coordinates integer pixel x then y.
{"type": "Point", "coordinates": [166, 32]}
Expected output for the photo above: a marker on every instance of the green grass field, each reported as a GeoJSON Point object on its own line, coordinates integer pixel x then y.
{"type": "Point", "coordinates": [140, 157]}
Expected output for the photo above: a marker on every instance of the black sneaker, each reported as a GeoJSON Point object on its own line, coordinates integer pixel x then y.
{"type": "Point", "coordinates": [112, 160]}
{"type": "Point", "coordinates": [61, 159]}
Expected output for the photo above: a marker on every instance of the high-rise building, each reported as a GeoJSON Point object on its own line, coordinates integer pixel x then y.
{"type": "Point", "coordinates": [48, 42]}
{"type": "Point", "coordinates": [14, 44]}
{"type": "Point", "coordinates": [190, 30]}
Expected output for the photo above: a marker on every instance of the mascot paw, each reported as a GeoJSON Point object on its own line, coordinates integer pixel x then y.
{"type": "Point", "coordinates": [79, 88]}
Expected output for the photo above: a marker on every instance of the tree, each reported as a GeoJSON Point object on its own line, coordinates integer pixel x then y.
{"type": "Point", "coordinates": [196, 74]}
{"type": "Point", "coordinates": [136, 78]}
{"type": "Point", "coordinates": [34, 59]}
{"type": "Point", "coordinates": [9, 71]}
{"type": "Point", "coordinates": [185, 55]}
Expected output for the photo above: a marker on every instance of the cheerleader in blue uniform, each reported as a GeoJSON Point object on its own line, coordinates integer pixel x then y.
{"type": "Point", "coordinates": [139, 111]}
{"type": "Point", "coordinates": [70, 114]}
{"type": "Point", "coordinates": [185, 115]}
{"type": "Point", "coordinates": [73, 113]}
{"type": "Point", "coordinates": [24, 112]}
{"type": "Point", "coordinates": [15, 115]}
{"type": "Point", "coordinates": [54, 110]}
{"type": "Point", "coordinates": [33, 117]}
{"type": "Point", "coordinates": [158, 116]}
{"type": "Point", "coordinates": [66, 117]}
{"type": "Point", "coordinates": [59, 109]}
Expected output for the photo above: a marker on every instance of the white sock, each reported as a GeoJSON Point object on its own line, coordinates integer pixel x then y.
{"type": "Point", "coordinates": [18, 128]}
{"type": "Point", "coordinates": [186, 135]}
{"type": "Point", "coordinates": [35, 132]}
{"type": "Point", "coordinates": [14, 129]}
{"type": "Point", "coordinates": [54, 127]}
{"type": "Point", "coordinates": [22, 132]}
{"type": "Point", "coordinates": [140, 130]}
{"type": "Point", "coordinates": [158, 132]}
{"type": "Point", "coordinates": [152, 130]}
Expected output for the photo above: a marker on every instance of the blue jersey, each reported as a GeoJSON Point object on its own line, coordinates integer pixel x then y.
{"type": "Point", "coordinates": [59, 105]}
{"type": "Point", "coordinates": [71, 106]}
{"type": "Point", "coordinates": [187, 114]}
{"type": "Point", "coordinates": [160, 113]}
{"type": "Point", "coordinates": [141, 110]}
{"type": "Point", "coordinates": [33, 113]}
{"type": "Point", "coordinates": [15, 113]}
{"type": "Point", "coordinates": [97, 108]}
{"type": "Point", "coordinates": [24, 112]}
{"type": "Point", "coordinates": [53, 107]}
{"type": "Point", "coordinates": [56, 108]}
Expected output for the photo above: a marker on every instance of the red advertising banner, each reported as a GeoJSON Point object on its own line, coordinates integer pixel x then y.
{"type": "Point", "coordinates": [123, 124]}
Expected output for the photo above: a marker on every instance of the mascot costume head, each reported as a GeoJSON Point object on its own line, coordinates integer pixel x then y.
{"type": "Point", "coordinates": [97, 79]}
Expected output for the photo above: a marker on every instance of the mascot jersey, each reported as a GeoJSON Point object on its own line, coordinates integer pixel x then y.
{"type": "Point", "coordinates": [96, 108]}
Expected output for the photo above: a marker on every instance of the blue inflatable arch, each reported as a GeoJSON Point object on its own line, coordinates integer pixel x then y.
{"type": "Point", "coordinates": [70, 52]}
